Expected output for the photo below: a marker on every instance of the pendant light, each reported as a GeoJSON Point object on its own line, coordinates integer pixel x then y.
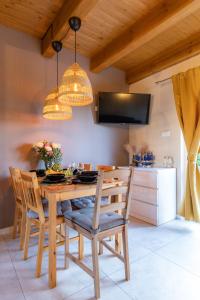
{"type": "Point", "coordinates": [53, 109]}
{"type": "Point", "coordinates": [75, 88]}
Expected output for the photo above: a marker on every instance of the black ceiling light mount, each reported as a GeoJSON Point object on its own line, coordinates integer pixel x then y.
{"type": "Point", "coordinates": [75, 23]}
{"type": "Point", "coordinates": [57, 46]}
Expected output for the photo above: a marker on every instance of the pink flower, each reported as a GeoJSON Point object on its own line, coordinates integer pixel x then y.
{"type": "Point", "coordinates": [48, 148]}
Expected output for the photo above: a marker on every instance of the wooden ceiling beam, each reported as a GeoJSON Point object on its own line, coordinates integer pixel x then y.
{"type": "Point", "coordinates": [60, 27]}
{"type": "Point", "coordinates": [159, 19]}
{"type": "Point", "coordinates": [165, 59]}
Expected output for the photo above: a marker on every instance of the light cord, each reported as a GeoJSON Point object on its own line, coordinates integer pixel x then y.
{"type": "Point", "coordinates": [57, 71]}
{"type": "Point", "coordinates": [75, 47]}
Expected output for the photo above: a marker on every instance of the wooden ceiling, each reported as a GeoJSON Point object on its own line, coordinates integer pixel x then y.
{"type": "Point", "coordinates": [140, 37]}
{"type": "Point", "coordinates": [32, 17]}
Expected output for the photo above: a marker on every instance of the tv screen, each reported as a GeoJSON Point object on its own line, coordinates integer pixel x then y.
{"type": "Point", "coordinates": [123, 108]}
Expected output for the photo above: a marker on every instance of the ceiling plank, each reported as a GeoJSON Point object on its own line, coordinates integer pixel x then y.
{"type": "Point", "coordinates": [159, 19]}
{"type": "Point", "coordinates": [60, 27]}
{"type": "Point", "coordinates": [165, 59]}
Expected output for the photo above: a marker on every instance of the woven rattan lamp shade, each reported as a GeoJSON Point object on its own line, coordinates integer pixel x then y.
{"type": "Point", "coordinates": [54, 110]}
{"type": "Point", "coordinates": [75, 88]}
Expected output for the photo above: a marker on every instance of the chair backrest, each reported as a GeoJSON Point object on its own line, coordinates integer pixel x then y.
{"type": "Point", "coordinates": [32, 194]}
{"type": "Point", "coordinates": [17, 186]}
{"type": "Point", "coordinates": [85, 167]}
{"type": "Point", "coordinates": [124, 187]}
{"type": "Point", "coordinates": [105, 168]}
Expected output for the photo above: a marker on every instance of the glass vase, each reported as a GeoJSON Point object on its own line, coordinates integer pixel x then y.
{"type": "Point", "coordinates": [48, 164]}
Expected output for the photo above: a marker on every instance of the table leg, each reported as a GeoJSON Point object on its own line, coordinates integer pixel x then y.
{"type": "Point", "coordinates": [52, 240]}
{"type": "Point", "coordinates": [118, 236]}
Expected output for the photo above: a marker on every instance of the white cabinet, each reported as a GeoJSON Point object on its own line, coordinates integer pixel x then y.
{"type": "Point", "coordinates": [154, 195]}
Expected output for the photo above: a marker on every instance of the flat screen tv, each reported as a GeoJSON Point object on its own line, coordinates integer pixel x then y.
{"type": "Point", "coordinates": [123, 108]}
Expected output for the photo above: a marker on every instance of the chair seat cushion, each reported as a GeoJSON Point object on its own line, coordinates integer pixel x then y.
{"type": "Point", "coordinates": [65, 206]}
{"type": "Point", "coordinates": [84, 218]}
{"type": "Point", "coordinates": [62, 207]}
{"type": "Point", "coordinates": [87, 202]}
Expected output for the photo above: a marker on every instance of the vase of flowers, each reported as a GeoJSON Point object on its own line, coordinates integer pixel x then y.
{"type": "Point", "coordinates": [49, 152]}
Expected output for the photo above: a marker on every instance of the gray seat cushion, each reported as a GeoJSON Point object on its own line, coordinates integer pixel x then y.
{"type": "Point", "coordinates": [65, 206]}
{"type": "Point", "coordinates": [87, 202]}
{"type": "Point", "coordinates": [84, 218]}
{"type": "Point", "coordinates": [62, 207]}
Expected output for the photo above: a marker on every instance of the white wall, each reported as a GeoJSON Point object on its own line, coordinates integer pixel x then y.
{"type": "Point", "coordinates": [163, 118]}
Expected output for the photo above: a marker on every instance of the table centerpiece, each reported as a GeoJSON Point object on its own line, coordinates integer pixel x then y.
{"type": "Point", "coordinates": [50, 153]}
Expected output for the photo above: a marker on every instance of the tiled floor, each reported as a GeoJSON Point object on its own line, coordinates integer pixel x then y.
{"type": "Point", "coordinates": [165, 265]}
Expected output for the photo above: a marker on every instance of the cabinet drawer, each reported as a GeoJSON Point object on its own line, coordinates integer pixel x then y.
{"type": "Point", "coordinates": [145, 194]}
{"type": "Point", "coordinates": [147, 211]}
{"type": "Point", "coordinates": [148, 179]}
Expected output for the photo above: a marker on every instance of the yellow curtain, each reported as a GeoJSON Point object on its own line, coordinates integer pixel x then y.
{"type": "Point", "coordinates": [186, 88]}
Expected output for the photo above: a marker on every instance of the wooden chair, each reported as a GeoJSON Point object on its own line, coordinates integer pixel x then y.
{"type": "Point", "coordinates": [102, 221]}
{"type": "Point", "coordinates": [105, 168]}
{"type": "Point", "coordinates": [85, 167]}
{"type": "Point", "coordinates": [80, 202]}
{"type": "Point", "coordinates": [37, 217]}
{"type": "Point", "coordinates": [20, 208]}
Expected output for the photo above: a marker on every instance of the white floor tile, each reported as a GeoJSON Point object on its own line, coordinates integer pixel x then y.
{"type": "Point", "coordinates": [184, 252]}
{"type": "Point", "coordinates": [153, 238]}
{"type": "Point", "coordinates": [3, 246]}
{"type": "Point", "coordinates": [154, 278]}
{"type": "Point", "coordinates": [6, 270]}
{"type": "Point", "coordinates": [164, 260]}
{"type": "Point", "coordinates": [109, 291]}
{"type": "Point", "coordinates": [10, 289]}
{"type": "Point", "coordinates": [109, 263]}
{"type": "Point", "coordinates": [69, 281]}
{"type": "Point", "coordinates": [4, 256]}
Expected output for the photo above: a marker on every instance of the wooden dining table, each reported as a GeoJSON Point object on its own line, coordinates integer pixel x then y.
{"type": "Point", "coordinates": [61, 192]}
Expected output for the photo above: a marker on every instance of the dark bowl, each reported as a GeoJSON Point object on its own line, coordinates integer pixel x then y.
{"type": "Point", "coordinates": [39, 172]}
{"type": "Point", "coordinates": [86, 178]}
{"type": "Point", "coordinates": [89, 173]}
{"type": "Point", "coordinates": [55, 177]}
